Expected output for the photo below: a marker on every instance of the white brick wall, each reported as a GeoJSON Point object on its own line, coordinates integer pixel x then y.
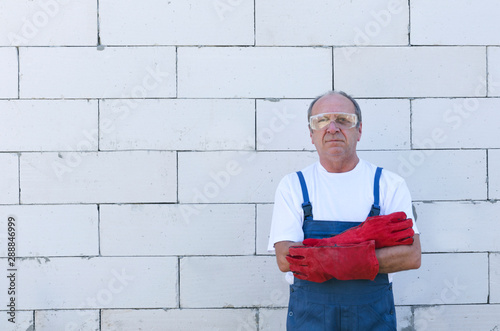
{"type": "Point", "coordinates": [184, 124]}
{"type": "Point", "coordinates": [53, 230]}
{"type": "Point", "coordinates": [98, 177]}
{"type": "Point", "coordinates": [49, 125]}
{"type": "Point", "coordinates": [92, 73]}
{"type": "Point", "coordinates": [253, 72]}
{"type": "Point", "coordinates": [464, 22]}
{"type": "Point", "coordinates": [46, 23]}
{"type": "Point", "coordinates": [410, 71]}
{"type": "Point", "coordinates": [9, 73]}
{"type": "Point", "coordinates": [323, 22]}
{"type": "Point", "coordinates": [179, 319]}
{"type": "Point", "coordinates": [99, 282]}
{"type": "Point", "coordinates": [177, 22]}
{"type": "Point", "coordinates": [141, 143]}
{"type": "Point", "coordinates": [163, 229]}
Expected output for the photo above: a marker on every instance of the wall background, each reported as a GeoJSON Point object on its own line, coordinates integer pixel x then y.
{"type": "Point", "coordinates": [142, 141]}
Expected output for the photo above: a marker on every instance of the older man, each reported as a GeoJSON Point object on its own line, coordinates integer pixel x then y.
{"type": "Point", "coordinates": [342, 226]}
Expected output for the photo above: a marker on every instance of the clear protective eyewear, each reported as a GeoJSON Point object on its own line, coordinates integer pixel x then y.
{"type": "Point", "coordinates": [342, 121]}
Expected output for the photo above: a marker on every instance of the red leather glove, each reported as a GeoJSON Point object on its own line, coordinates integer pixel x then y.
{"type": "Point", "coordinates": [387, 230]}
{"type": "Point", "coordinates": [344, 262]}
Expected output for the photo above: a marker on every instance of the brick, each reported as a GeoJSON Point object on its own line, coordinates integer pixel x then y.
{"type": "Point", "coordinates": [379, 130]}
{"type": "Point", "coordinates": [177, 22]}
{"type": "Point", "coordinates": [272, 319]}
{"type": "Point", "coordinates": [49, 125]}
{"type": "Point", "coordinates": [264, 216]}
{"type": "Point", "coordinates": [494, 278]}
{"type": "Point", "coordinates": [494, 71]}
{"type": "Point", "coordinates": [409, 71]}
{"type": "Point", "coordinates": [322, 22]}
{"type": "Point", "coordinates": [9, 185]}
{"type": "Point", "coordinates": [115, 72]}
{"type": "Point", "coordinates": [179, 319]}
{"type": "Point", "coordinates": [169, 124]}
{"type": "Point", "coordinates": [455, 123]}
{"type": "Point", "coordinates": [282, 125]}
{"type": "Point", "coordinates": [49, 320]}
{"type": "Point", "coordinates": [8, 73]}
{"type": "Point", "coordinates": [437, 174]}
{"type": "Point", "coordinates": [105, 177]}
{"type": "Point", "coordinates": [463, 279]}
{"type": "Point", "coordinates": [457, 317]}
{"type": "Point", "coordinates": [494, 174]}
{"type": "Point", "coordinates": [404, 318]}
{"type": "Point", "coordinates": [23, 321]}
{"type": "Point", "coordinates": [465, 23]}
{"type": "Point", "coordinates": [458, 226]}
{"type": "Point", "coordinates": [212, 177]}
{"type": "Point", "coordinates": [245, 281]}
{"type": "Point", "coordinates": [253, 72]}
{"type": "Point", "coordinates": [48, 23]}
{"type": "Point", "coordinates": [53, 230]}
{"type": "Point", "coordinates": [91, 283]}
{"type": "Point", "coordinates": [172, 229]}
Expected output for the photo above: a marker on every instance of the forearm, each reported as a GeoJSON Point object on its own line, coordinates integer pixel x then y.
{"type": "Point", "coordinates": [399, 258]}
{"type": "Point", "coordinates": [282, 248]}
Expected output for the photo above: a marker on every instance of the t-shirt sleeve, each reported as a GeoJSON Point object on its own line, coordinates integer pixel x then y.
{"type": "Point", "coordinates": [286, 224]}
{"type": "Point", "coordinates": [398, 198]}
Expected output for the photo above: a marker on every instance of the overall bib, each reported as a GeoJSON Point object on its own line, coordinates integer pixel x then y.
{"type": "Point", "coordinates": [340, 305]}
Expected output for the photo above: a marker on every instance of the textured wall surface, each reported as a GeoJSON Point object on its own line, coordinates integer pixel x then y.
{"type": "Point", "coordinates": [141, 143]}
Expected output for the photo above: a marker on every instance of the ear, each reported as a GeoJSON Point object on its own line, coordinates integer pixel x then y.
{"type": "Point", "coordinates": [311, 134]}
{"type": "Point", "coordinates": [360, 130]}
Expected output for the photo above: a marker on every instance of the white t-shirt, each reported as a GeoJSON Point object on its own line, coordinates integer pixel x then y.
{"type": "Point", "coordinates": [346, 196]}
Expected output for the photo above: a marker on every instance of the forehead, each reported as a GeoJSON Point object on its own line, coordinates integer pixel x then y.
{"type": "Point", "coordinates": [333, 103]}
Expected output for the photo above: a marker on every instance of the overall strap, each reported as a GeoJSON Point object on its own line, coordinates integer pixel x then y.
{"type": "Point", "coordinates": [375, 211]}
{"type": "Point", "coordinates": [306, 206]}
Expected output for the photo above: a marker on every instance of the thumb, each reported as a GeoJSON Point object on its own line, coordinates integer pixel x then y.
{"type": "Point", "coordinates": [311, 242]}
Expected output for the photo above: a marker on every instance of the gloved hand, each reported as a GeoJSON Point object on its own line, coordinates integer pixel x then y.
{"type": "Point", "coordinates": [387, 230]}
{"type": "Point", "coordinates": [343, 262]}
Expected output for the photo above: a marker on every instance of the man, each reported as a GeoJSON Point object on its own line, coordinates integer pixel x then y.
{"type": "Point", "coordinates": [342, 282]}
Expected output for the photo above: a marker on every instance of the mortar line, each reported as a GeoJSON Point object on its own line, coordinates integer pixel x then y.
{"type": "Point", "coordinates": [98, 230]}
{"type": "Point", "coordinates": [98, 125]}
{"type": "Point", "coordinates": [177, 177]}
{"type": "Point", "coordinates": [487, 176]}
{"type": "Point", "coordinates": [19, 176]}
{"type": "Point", "coordinates": [255, 228]}
{"type": "Point", "coordinates": [333, 68]}
{"type": "Point", "coordinates": [409, 22]}
{"type": "Point", "coordinates": [489, 279]}
{"type": "Point", "coordinates": [255, 127]}
{"type": "Point", "coordinates": [98, 26]}
{"type": "Point", "coordinates": [254, 23]}
{"type": "Point", "coordinates": [176, 72]}
{"type": "Point", "coordinates": [18, 74]}
{"type": "Point", "coordinates": [411, 124]}
{"type": "Point", "coordinates": [487, 73]}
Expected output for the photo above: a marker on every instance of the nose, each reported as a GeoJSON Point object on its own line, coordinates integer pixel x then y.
{"type": "Point", "coordinates": [332, 127]}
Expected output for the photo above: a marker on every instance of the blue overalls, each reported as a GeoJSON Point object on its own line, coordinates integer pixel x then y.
{"type": "Point", "coordinates": [352, 305]}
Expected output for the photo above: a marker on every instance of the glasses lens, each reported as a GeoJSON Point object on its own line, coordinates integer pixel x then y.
{"type": "Point", "coordinates": [342, 120]}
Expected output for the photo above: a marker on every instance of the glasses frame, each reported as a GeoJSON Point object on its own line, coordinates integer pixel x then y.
{"type": "Point", "coordinates": [336, 113]}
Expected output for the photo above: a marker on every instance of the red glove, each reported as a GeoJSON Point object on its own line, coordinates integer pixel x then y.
{"type": "Point", "coordinates": [387, 230]}
{"type": "Point", "coordinates": [345, 262]}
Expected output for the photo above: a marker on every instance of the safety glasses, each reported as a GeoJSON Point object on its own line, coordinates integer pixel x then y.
{"type": "Point", "coordinates": [342, 120]}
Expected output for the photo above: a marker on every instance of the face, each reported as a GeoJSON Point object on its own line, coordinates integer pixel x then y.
{"type": "Point", "coordinates": [331, 142]}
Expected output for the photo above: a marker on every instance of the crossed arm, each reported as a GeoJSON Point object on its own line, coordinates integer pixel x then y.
{"type": "Point", "coordinates": [390, 259]}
